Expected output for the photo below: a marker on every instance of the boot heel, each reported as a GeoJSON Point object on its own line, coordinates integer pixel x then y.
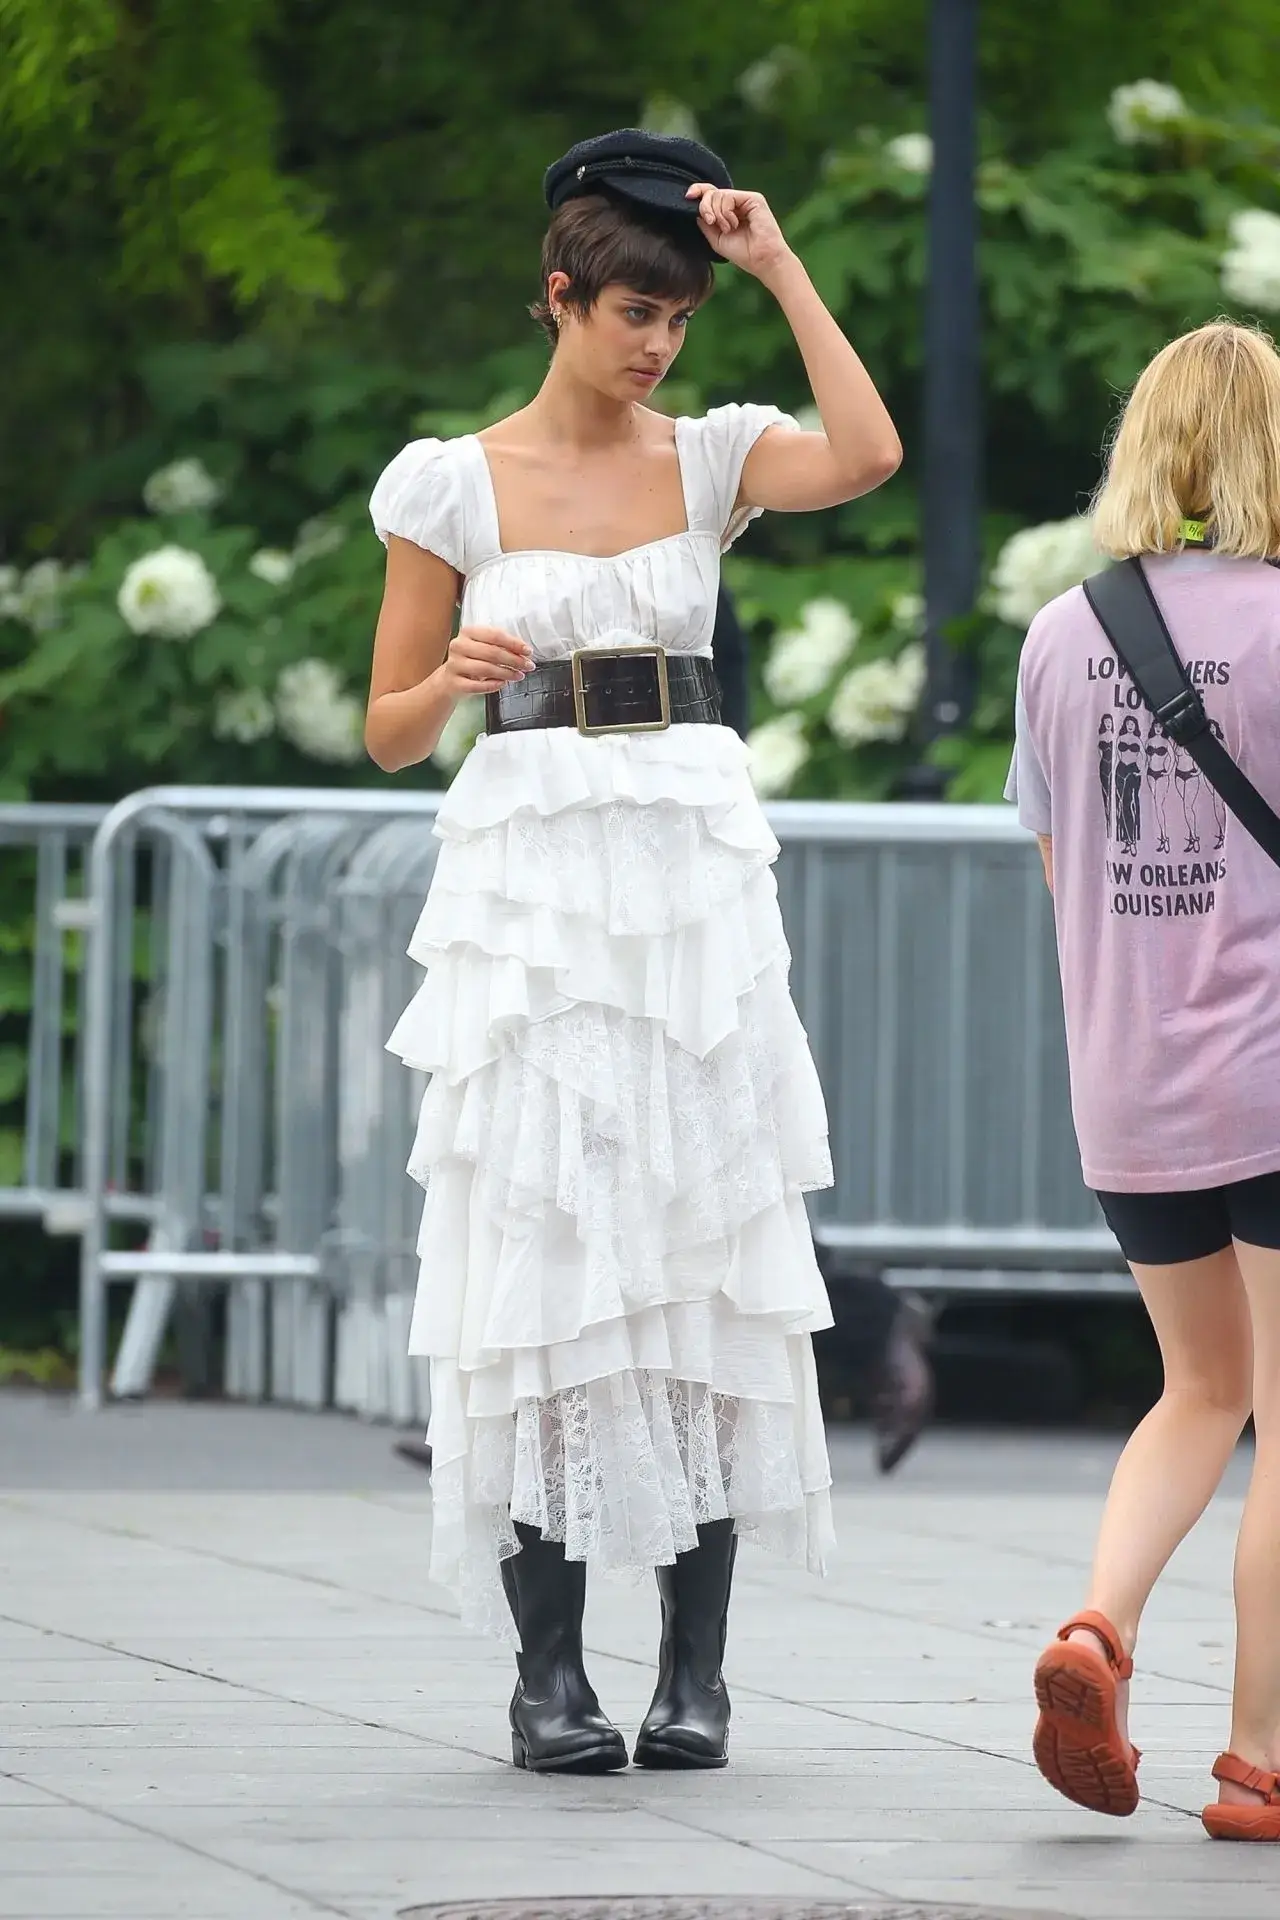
{"type": "Point", "coordinates": [519, 1752]}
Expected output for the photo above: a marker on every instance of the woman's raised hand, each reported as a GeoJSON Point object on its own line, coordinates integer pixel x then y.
{"type": "Point", "coordinates": [483, 660]}
{"type": "Point", "coordinates": [741, 227]}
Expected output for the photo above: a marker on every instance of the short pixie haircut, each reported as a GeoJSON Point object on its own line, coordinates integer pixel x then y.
{"type": "Point", "coordinates": [601, 240]}
{"type": "Point", "coordinates": [1198, 440]}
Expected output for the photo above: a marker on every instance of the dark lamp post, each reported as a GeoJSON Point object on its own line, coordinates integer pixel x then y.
{"type": "Point", "coordinates": [952, 382]}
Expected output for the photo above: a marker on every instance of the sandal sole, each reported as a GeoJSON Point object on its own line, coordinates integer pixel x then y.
{"type": "Point", "coordinates": [1077, 1744]}
{"type": "Point", "coordinates": [1228, 1822]}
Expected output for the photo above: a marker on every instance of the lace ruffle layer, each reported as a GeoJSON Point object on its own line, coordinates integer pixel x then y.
{"type": "Point", "coordinates": [623, 1470]}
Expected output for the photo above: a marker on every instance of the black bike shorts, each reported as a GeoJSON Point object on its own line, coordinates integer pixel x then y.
{"type": "Point", "coordinates": [1165, 1229]}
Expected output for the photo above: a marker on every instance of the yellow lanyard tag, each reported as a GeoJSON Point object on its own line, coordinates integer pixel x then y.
{"type": "Point", "coordinates": [1193, 533]}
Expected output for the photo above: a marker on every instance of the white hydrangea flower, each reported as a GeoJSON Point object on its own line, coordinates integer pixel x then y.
{"type": "Point", "coordinates": [169, 592]}
{"type": "Point", "coordinates": [906, 612]}
{"type": "Point", "coordinates": [759, 85]}
{"type": "Point", "coordinates": [184, 486]}
{"type": "Point", "coordinates": [1142, 113]}
{"type": "Point", "coordinates": [912, 673]}
{"type": "Point", "coordinates": [875, 701]}
{"type": "Point", "coordinates": [1036, 564]}
{"type": "Point", "coordinates": [912, 152]}
{"type": "Point", "coordinates": [459, 733]}
{"type": "Point", "coordinates": [1251, 264]}
{"type": "Point", "coordinates": [273, 565]}
{"type": "Point", "coordinates": [244, 716]}
{"type": "Point", "coordinates": [778, 750]}
{"type": "Point", "coordinates": [316, 715]}
{"type": "Point", "coordinates": [663, 114]}
{"type": "Point", "coordinates": [802, 661]}
{"type": "Point", "coordinates": [35, 597]}
{"type": "Point", "coordinates": [317, 537]}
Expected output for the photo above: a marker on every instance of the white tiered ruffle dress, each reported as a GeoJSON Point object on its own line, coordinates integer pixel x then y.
{"type": "Point", "coordinates": [618, 1282]}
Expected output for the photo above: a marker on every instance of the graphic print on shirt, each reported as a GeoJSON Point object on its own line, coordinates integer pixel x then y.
{"type": "Point", "coordinates": [1158, 750]}
{"type": "Point", "coordinates": [1106, 765]}
{"type": "Point", "coordinates": [1189, 782]}
{"type": "Point", "coordinates": [1219, 804]}
{"type": "Point", "coordinates": [1128, 797]}
{"type": "Point", "coordinates": [1154, 794]}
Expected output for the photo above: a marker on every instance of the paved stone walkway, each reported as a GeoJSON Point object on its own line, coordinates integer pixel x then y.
{"type": "Point", "coordinates": [227, 1693]}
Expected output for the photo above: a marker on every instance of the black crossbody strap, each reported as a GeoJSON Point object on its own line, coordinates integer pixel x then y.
{"type": "Point", "coordinates": [1127, 612]}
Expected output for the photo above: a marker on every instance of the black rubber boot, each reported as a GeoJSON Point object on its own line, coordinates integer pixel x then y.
{"type": "Point", "coordinates": [556, 1722]}
{"type": "Point", "coordinates": [688, 1723]}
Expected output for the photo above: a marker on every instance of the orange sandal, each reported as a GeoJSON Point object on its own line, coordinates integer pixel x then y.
{"type": "Point", "coordinates": [1231, 1822]}
{"type": "Point", "coordinates": [1077, 1744]}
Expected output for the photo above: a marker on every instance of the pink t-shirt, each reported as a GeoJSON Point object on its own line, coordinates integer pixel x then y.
{"type": "Point", "coordinates": [1167, 911]}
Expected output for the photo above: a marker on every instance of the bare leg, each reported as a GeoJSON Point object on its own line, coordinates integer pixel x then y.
{"type": "Point", "coordinates": [1160, 796]}
{"type": "Point", "coordinates": [1176, 1456]}
{"type": "Point", "coordinates": [1255, 1707]}
{"type": "Point", "coordinates": [1191, 812]}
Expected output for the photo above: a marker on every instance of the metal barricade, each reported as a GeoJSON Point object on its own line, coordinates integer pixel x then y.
{"type": "Point", "coordinates": [238, 1019]}
{"type": "Point", "coordinates": [43, 881]}
{"type": "Point", "coordinates": [380, 897]}
{"type": "Point", "coordinates": [924, 970]}
{"type": "Point", "coordinates": [264, 1135]}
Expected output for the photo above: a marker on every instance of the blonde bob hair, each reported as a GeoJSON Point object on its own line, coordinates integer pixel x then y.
{"type": "Point", "coordinates": [1198, 440]}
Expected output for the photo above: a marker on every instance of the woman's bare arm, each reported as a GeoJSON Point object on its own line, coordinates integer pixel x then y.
{"type": "Point", "coordinates": [1046, 854]}
{"type": "Point", "coordinates": [858, 447]}
{"type": "Point", "coordinates": [419, 674]}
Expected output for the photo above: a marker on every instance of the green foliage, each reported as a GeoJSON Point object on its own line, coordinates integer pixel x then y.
{"type": "Point", "coordinates": [46, 1367]}
{"type": "Point", "coordinates": [177, 96]}
{"type": "Point", "coordinates": [51, 52]}
{"type": "Point", "coordinates": [1042, 70]}
{"type": "Point", "coordinates": [1093, 255]}
{"type": "Point", "coordinates": [290, 238]}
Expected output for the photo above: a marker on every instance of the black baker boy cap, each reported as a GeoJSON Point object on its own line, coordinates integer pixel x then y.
{"type": "Point", "coordinates": [656, 169]}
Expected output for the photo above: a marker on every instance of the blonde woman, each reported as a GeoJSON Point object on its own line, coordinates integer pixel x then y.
{"type": "Point", "coordinates": [1170, 971]}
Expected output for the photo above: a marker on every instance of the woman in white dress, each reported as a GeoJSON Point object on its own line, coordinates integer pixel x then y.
{"type": "Point", "coordinates": [618, 1284]}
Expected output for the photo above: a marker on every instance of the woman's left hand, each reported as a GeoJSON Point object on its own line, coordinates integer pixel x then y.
{"type": "Point", "coordinates": [741, 228]}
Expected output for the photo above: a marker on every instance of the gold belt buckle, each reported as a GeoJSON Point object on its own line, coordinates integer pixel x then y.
{"type": "Point", "coordinates": [659, 657]}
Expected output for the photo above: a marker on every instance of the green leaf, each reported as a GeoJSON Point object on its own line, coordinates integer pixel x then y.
{"type": "Point", "coordinates": [979, 768]}
{"type": "Point", "coordinates": [12, 1150]}
{"type": "Point", "coordinates": [13, 1073]}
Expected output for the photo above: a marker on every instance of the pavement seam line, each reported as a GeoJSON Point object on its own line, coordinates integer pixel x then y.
{"type": "Point", "coordinates": [1037, 1555]}
{"type": "Point", "coordinates": [754, 1847]}
{"type": "Point", "coordinates": [184, 1846]}
{"type": "Point", "coordinates": [250, 1691]}
{"type": "Point", "coordinates": [227, 1559]}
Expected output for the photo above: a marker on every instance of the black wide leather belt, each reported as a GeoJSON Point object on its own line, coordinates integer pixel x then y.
{"type": "Point", "coordinates": [609, 690]}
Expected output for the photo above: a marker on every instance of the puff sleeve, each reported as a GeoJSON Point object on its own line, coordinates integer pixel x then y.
{"type": "Point", "coordinates": [726, 436]}
{"type": "Point", "coordinates": [418, 497]}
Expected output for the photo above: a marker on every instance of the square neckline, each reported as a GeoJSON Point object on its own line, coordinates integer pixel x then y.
{"type": "Point", "coordinates": [573, 553]}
